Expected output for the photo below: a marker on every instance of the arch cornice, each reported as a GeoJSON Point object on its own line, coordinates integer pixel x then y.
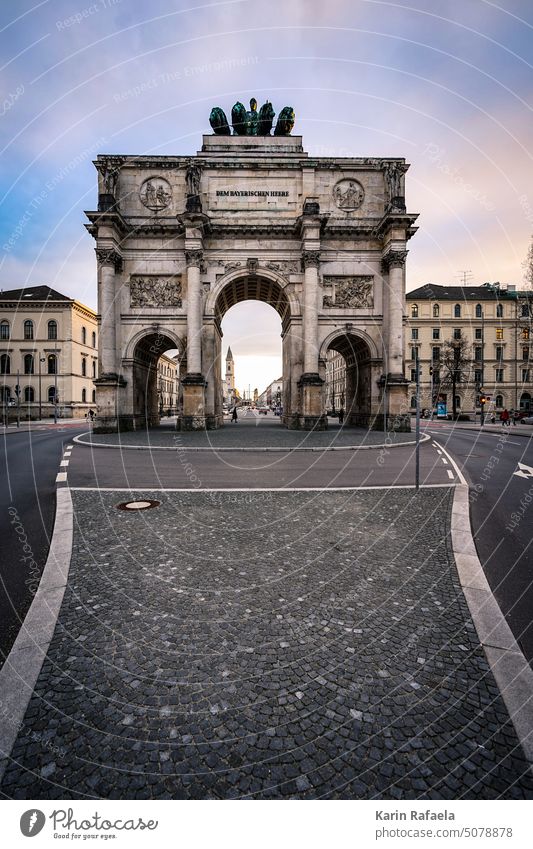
{"type": "Point", "coordinates": [150, 330]}
{"type": "Point", "coordinates": [353, 331]}
{"type": "Point", "coordinates": [237, 274]}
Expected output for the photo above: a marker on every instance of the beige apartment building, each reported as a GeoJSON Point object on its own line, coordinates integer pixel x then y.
{"type": "Point", "coordinates": [51, 342]}
{"type": "Point", "coordinates": [167, 384]}
{"type": "Point", "coordinates": [335, 389]}
{"type": "Point", "coordinates": [496, 322]}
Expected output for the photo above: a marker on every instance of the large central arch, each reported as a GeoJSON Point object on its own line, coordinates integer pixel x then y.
{"type": "Point", "coordinates": [270, 288]}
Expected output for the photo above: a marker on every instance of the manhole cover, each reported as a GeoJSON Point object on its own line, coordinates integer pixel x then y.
{"type": "Point", "coordinates": [137, 505]}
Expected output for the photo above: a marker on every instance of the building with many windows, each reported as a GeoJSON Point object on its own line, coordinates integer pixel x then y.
{"type": "Point", "coordinates": [335, 388]}
{"type": "Point", "coordinates": [272, 395]}
{"type": "Point", "coordinates": [496, 323]}
{"type": "Point", "coordinates": [167, 384]}
{"type": "Point", "coordinates": [48, 354]}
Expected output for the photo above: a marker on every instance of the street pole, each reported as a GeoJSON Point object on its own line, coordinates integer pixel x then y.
{"type": "Point", "coordinates": [482, 390]}
{"type": "Point", "coordinates": [18, 398]}
{"type": "Point", "coordinates": [385, 405]}
{"type": "Point", "coordinates": [40, 399]}
{"type": "Point", "coordinates": [55, 385]}
{"type": "Point", "coordinates": [417, 426]}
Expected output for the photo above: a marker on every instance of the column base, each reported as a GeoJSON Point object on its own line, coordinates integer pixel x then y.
{"type": "Point", "coordinates": [193, 416]}
{"type": "Point", "coordinates": [313, 416]}
{"type": "Point", "coordinates": [397, 407]}
{"type": "Point", "coordinates": [108, 419]}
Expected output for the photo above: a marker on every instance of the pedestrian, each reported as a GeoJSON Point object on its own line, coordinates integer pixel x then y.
{"type": "Point", "coordinates": [505, 417]}
{"type": "Point", "coordinates": [341, 415]}
{"type": "Point", "coordinates": [513, 417]}
{"type": "Point", "coordinates": [492, 418]}
{"type": "Point", "coordinates": [234, 415]}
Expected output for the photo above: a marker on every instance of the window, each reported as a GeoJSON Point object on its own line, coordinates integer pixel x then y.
{"type": "Point", "coordinates": [525, 375]}
{"type": "Point", "coordinates": [414, 334]}
{"type": "Point", "coordinates": [52, 329]}
{"type": "Point", "coordinates": [5, 364]}
{"type": "Point", "coordinates": [525, 310]}
{"type": "Point", "coordinates": [499, 333]}
{"type": "Point", "coordinates": [413, 400]}
{"type": "Point", "coordinates": [479, 353]}
{"type": "Point", "coordinates": [94, 338]}
{"type": "Point", "coordinates": [479, 311]}
{"type": "Point", "coordinates": [84, 366]}
{"type": "Point", "coordinates": [499, 310]}
{"type": "Point", "coordinates": [456, 332]}
{"type": "Point", "coordinates": [436, 332]}
{"type": "Point", "coordinates": [51, 394]}
{"type": "Point", "coordinates": [414, 353]}
{"type": "Point", "coordinates": [413, 375]}
{"type": "Point", "coordinates": [525, 353]}
{"type": "Point", "coordinates": [458, 402]}
{"type": "Point", "coordinates": [29, 395]}
{"type": "Point", "coordinates": [94, 396]}
{"type": "Point", "coordinates": [477, 376]}
{"type": "Point", "coordinates": [84, 335]}
{"type": "Point", "coordinates": [457, 311]}
{"type": "Point", "coordinates": [4, 329]}
{"type": "Point", "coordinates": [479, 333]}
{"type": "Point", "coordinates": [52, 364]}
{"type": "Point", "coordinates": [28, 364]}
{"type": "Point", "coordinates": [414, 310]}
{"type": "Point", "coordinates": [436, 310]}
{"type": "Point", "coordinates": [94, 368]}
{"type": "Point", "coordinates": [435, 354]}
{"type": "Point", "coordinates": [499, 375]}
{"type": "Point", "coordinates": [28, 329]}
{"type": "Point", "coordinates": [498, 401]}
{"type": "Point", "coordinates": [83, 396]}
{"type": "Point", "coordinates": [499, 352]}
{"type": "Point", "coordinates": [525, 333]}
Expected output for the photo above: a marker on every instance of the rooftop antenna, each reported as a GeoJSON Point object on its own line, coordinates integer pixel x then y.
{"type": "Point", "coordinates": [465, 274]}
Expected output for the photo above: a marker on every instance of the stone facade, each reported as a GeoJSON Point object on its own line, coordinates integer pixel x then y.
{"type": "Point", "coordinates": [321, 240]}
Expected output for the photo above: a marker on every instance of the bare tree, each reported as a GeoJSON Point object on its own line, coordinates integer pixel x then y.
{"type": "Point", "coordinates": [527, 265]}
{"type": "Point", "coordinates": [455, 366]}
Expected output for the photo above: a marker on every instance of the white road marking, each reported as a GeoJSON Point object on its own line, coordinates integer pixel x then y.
{"type": "Point", "coordinates": [458, 471]}
{"type": "Point", "coordinates": [444, 460]}
{"type": "Point", "coordinates": [151, 488]}
{"type": "Point", "coordinates": [64, 463]}
{"type": "Point", "coordinates": [450, 474]}
{"type": "Point", "coordinates": [524, 471]}
{"type": "Point", "coordinates": [61, 476]}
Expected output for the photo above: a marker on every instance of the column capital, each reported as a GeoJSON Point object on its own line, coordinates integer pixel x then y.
{"type": "Point", "coordinates": [393, 259]}
{"type": "Point", "coordinates": [310, 259]}
{"type": "Point", "coordinates": [194, 257]}
{"type": "Point", "coordinates": [109, 256]}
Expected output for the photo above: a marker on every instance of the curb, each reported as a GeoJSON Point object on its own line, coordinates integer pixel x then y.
{"type": "Point", "coordinates": [512, 672]}
{"type": "Point", "coordinates": [287, 449]}
{"type": "Point", "coordinates": [528, 434]}
{"type": "Point", "coordinates": [22, 666]}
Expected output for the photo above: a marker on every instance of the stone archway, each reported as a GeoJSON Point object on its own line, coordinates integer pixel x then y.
{"type": "Point", "coordinates": [144, 352]}
{"type": "Point", "coordinates": [358, 352]}
{"type": "Point", "coordinates": [237, 287]}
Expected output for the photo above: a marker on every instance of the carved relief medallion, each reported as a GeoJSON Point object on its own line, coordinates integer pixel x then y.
{"type": "Point", "coordinates": [349, 291]}
{"type": "Point", "coordinates": [348, 194]}
{"type": "Point", "coordinates": [153, 291]}
{"type": "Point", "coordinates": [155, 193]}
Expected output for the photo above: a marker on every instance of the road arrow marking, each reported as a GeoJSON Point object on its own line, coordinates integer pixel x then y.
{"type": "Point", "coordinates": [523, 471]}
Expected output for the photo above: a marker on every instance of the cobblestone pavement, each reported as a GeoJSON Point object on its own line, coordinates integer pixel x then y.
{"type": "Point", "coordinates": [251, 431]}
{"type": "Point", "coordinates": [266, 645]}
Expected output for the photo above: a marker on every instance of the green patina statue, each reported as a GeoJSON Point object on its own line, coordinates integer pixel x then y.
{"type": "Point", "coordinates": [252, 122]}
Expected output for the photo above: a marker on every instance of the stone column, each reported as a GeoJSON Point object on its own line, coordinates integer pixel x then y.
{"type": "Point", "coordinates": [109, 383]}
{"type": "Point", "coordinates": [193, 384]}
{"type": "Point", "coordinates": [109, 262]}
{"type": "Point", "coordinates": [311, 383]}
{"type": "Point", "coordinates": [396, 384]}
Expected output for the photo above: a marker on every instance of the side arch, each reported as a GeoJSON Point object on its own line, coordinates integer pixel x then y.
{"type": "Point", "coordinates": [151, 331]}
{"type": "Point", "coordinates": [356, 333]}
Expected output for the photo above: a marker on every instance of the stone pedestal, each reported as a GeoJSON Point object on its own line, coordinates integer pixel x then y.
{"type": "Point", "coordinates": [108, 418]}
{"type": "Point", "coordinates": [313, 416]}
{"type": "Point", "coordinates": [193, 415]}
{"type": "Point", "coordinates": [397, 403]}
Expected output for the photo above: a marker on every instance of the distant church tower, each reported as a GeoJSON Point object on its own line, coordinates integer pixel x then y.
{"type": "Point", "coordinates": [230, 377]}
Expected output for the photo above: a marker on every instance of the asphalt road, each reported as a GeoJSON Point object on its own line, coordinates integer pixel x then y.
{"type": "Point", "coordinates": [29, 465]}
{"type": "Point", "coordinates": [501, 511]}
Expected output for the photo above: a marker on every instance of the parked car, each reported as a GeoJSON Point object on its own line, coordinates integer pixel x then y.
{"type": "Point", "coordinates": [527, 420]}
{"type": "Point", "coordinates": [262, 410]}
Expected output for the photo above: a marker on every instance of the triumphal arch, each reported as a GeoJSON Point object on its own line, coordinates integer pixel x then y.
{"type": "Point", "coordinates": [180, 240]}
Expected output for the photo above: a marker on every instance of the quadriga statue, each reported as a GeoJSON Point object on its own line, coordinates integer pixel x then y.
{"type": "Point", "coordinates": [219, 122]}
{"type": "Point", "coordinates": [285, 122]}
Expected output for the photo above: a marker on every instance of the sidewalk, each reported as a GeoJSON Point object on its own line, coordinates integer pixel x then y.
{"type": "Point", "coordinates": [266, 645]}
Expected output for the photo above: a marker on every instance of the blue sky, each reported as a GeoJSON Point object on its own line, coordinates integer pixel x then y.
{"type": "Point", "coordinates": [447, 84]}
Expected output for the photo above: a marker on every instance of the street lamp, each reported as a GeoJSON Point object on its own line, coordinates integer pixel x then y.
{"type": "Point", "coordinates": [55, 383]}
{"type": "Point", "coordinates": [41, 360]}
